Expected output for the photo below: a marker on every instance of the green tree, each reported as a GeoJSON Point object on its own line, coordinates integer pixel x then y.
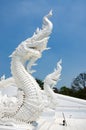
{"type": "Point", "coordinates": [66, 91]}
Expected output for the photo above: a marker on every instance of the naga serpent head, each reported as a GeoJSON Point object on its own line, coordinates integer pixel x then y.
{"type": "Point", "coordinates": [30, 50]}
{"type": "Point", "coordinates": [34, 46]}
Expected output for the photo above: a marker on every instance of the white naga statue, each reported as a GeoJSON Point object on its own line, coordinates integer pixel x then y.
{"type": "Point", "coordinates": [30, 100]}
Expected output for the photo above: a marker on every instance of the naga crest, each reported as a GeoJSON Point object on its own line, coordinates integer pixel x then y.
{"type": "Point", "coordinates": [38, 42]}
{"type": "Point", "coordinates": [52, 78]}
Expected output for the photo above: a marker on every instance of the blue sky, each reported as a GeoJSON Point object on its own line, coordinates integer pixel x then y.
{"type": "Point", "coordinates": [20, 18]}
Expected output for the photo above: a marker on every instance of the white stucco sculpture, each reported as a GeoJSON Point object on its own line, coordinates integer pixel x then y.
{"type": "Point", "coordinates": [30, 100]}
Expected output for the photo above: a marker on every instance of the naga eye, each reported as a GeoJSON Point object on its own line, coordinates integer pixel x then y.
{"type": "Point", "coordinates": [33, 47]}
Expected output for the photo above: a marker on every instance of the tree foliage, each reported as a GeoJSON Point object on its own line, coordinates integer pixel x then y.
{"type": "Point", "coordinates": [77, 89]}
{"type": "Point", "coordinates": [66, 91]}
